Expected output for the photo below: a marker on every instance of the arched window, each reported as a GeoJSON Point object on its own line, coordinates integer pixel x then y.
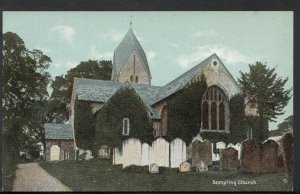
{"type": "Point", "coordinates": [136, 79]}
{"type": "Point", "coordinates": [126, 126]}
{"type": "Point", "coordinates": [131, 78]}
{"type": "Point", "coordinates": [213, 115]}
{"type": "Point", "coordinates": [214, 103]}
{"type": "Point", "coordinates": [221, 116]}
{"type": "Point", "coordinates": [205, 115]}
{"type": "Point", "coordinates": [164, 120]}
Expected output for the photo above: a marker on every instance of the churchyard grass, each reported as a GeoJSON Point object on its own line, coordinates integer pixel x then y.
{"type": "Point", "coordinates": [101, 175]}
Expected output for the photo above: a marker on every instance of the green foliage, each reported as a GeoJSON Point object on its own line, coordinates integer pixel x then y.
{"type": "Point", "coordinates": [62, 86]}
{"type": "Point", "coordinates": [24, 87]}
{"type": "Point", "coordinates": [237, 119]}
{"type": "Point", "coordinates": [109, 120]}
{"type": "Point", "coordinates": [84, 125]}
{"type": "Point", "coordinates": [257, 132]}
{"type": "Point", "coordinates": [285, 126]}
{"type": "Point", "coordinates": [263, 88]}
{"type": "Point", "coordinates": [184, 111]}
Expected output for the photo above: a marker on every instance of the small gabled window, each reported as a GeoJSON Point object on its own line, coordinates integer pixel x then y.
{"type": "Point", "coordinates": [126, 126]}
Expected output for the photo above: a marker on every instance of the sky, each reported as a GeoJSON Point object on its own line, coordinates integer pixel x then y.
{"type": "Point", "coordinates": [173, 41]}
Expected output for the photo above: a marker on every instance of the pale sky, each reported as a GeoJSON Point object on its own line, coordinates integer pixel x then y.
{"type": "Point", "coordinates": [173, 41]}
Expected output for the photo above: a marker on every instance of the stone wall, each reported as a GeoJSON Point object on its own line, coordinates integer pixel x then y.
{"type": "Point", "coordinates": [64, 145]}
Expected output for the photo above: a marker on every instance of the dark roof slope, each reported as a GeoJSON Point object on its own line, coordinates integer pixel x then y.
{"type": "Point", "coordinates": [181, 81]}
{"type": "Point", "coordinates": [58, 131]}
{"type": "Point", "coordinates": [125, 49]}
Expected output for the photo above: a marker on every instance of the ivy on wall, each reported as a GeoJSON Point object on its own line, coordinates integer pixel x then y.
{"type": "Point", "coordinates": [184, 111]}
{"type": "Point", "coordinates": [109, 120]}
{"type": "Point", "coordinates": [84, 125]}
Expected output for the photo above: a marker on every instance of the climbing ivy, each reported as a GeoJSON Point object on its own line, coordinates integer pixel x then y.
{"type": "Point", "coordinates": [84, 125]}
{"type": "Point", "coordinates": [109, 120]}
{"type": "Point", "coordinates": [184, 111]}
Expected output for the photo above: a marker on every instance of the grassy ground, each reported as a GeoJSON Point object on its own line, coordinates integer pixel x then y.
{"type": "Point", "coordinates": [100, 175]}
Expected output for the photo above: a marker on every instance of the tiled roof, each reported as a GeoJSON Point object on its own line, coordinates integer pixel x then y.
{"type": "Point", "coordinates": [102, 91]}
{"type": "Point", "coordinates": [178, 83]}
{"type": "Point", "coordinates": [125, 49]}
{"type": "Point", "coordinates": [58, 131]}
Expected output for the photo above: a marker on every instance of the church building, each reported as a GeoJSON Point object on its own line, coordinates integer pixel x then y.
{"type": "Point", "coordinates": [131, 70]}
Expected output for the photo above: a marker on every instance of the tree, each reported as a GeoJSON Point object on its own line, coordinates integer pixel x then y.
{"type": "Point", "coordinates": [283, 127]}
{"type": "Point", "coordinates": [263, 88]}
{"type": "Point", "coordinates": [62, 86]}
{"type": "Point", "coordinates": [25, 81]}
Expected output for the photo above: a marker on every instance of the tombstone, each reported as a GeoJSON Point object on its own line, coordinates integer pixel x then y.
{"type": "Point", "coordinates": [178, 152]}
{"type": "Point", "coordinates": [238, 148]}
{"type": "Point", "coordinates": [159, 152]}
{"type": "Point", "coordinates": [230, 145]}
{"type": "Point", "coordinates": [216, 157]}
{"type": "Point", "coordinates": [145, 154]}
{"type": "Point", "coordinates": [153, 168]}
{"type": "Point", "coordinates": [185, 167]}
{"type": "Point", "coordinates": [201, 167]}
{"type": "Point", "coordinates": [117, 157]}
{"type": "Point", "coordinates": [221, 145]}
{"type": "Point", "coordinates": [287, 141]}
{"type": "Point", "coordinates": [132, 152]}
{"type": "Point", "coordinates": [104, 152]}
{"type": "Point", "coordinates": [251, 156]}
{"type": "Point", "coordinates": [229, 159]}
{"type": "Point", "coordinates": [269, 156]}
{"type": "Point", "coordinates": [89, 155]}
{"type": "Point", "coordinates": [202, 152]}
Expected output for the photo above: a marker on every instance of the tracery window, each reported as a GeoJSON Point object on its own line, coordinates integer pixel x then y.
{"type": "Point", "coordinates": [213, 109]}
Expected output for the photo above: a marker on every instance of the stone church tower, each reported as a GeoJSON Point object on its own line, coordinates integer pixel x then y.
{"type": "Point", "coordinates": [130, 62]}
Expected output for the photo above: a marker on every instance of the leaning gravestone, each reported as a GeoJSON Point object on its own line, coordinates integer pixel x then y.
{"type": "Point", "coordinates": [269, 156]}
{"type": "Point", "coordinates": [251, 156]}
{"type": "Point", "coordinates": [201, 152]}
{"type": "Point", "coordinates": [185, 167]}
{"type": "Point", "coordinates": [287, 141]}
{"type": "Point", "coordinates": [229, 159]}
{"type": "Point", "coordinates": [153, 168]}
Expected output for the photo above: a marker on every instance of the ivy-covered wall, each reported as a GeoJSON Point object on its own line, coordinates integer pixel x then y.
{"type": "Point", "coordinates": [254, 123]}
{"type": "Point", "coordinates": [184, 111]}
{"type": "Point", "coordinates": [84, 125]}
{"type": "Point", "coordinates": [109, 120]}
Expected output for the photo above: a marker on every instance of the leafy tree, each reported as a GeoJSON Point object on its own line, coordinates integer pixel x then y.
{"type": "Point", "coordinates": [62, 86]}
{"type": "Point", "coordinates": [24, 96]}
{"type": "Point", "coordinates": [263, 88]}
{"type": "Point", "coordinates": [283, 127]}
{"type": "Point", "coordinates": [184, 111]}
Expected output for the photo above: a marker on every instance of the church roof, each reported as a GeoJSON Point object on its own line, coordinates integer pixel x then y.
{"type": "Point", "coordinates": [181, 81]}
{"type": "Point", "coordinates": [58, 131]}
{"type": "Point", "coordinates": [125, 49]}
{"type": "Point", "coordinates": [103, 90]}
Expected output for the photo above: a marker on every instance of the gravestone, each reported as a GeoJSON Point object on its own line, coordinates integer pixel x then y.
{"type": "Point", "coordinates": [287, 141]}
{"type": "Point", "coordinates": [215, 157]}
{"type": "Point", "coordinates": [269, 160]}
{"type": "Point", "coordinates": [145, 154]}
{"type": "Point", "coordinates": [229, 159]}
{"type": "Point", "coordinates": [117, 157]}
{"type": "Point", "coordinates": [251, 156]}
{"type": "Point", "coordinates": [202, 167]}
{"type": "Point", "coordinates": [132, 151]}
{"type": "Point", "coordinates": [185, 167]}
{"type": "Point", "coordinates": [159, 153]}
{"type": "Point", "coordinates": [104, 152]}
{"type": "Point", "coordinates": [238, 148]}
{"type": "Point", "coordinates": [230, 145]}
{"type": "Point", "coordinates": [201, 152]}
{"type": "Point", "coordinates": [178, 152]}
{"type": "Point", "coordinates": [153, 168]}
{"type": "Point", "coordinates": [89, 155]}
{"type": "Point", "coordinates": [221, 145]}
